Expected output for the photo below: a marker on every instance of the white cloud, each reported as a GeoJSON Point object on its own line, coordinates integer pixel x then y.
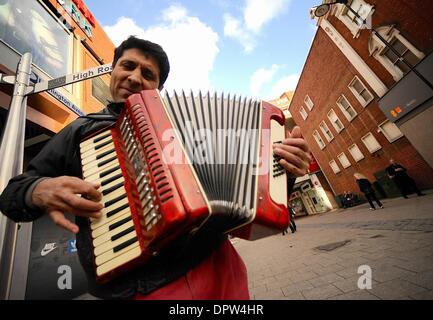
{"type": "Point", "coordinates": [234, 29]}
{"type": "Point", "coordinates": [259, 12]}
{"type": "Point", "coordinates": [286, 83]}
{"type": "Point", "coordinates": [256, 14]}
{"type": "Point", "coordinates": [260, 77]}
{"type": "Point", "coordinates": [190, 44]}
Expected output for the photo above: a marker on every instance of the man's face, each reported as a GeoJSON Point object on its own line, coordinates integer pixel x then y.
{"type": "Point", "coordinates": [134, 71]}
{"type": "Point", "coordinates": [391, 161]}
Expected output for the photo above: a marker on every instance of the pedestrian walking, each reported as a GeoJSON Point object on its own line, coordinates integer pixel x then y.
{"type": "Point", "coordinates": [366, 188]}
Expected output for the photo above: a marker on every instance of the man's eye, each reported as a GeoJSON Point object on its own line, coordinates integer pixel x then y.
{"type": "Point", "coordinates": [129, 65]}
{"type": "Point", "coordinates": [148, 75]}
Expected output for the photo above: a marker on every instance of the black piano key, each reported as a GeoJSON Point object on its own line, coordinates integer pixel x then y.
{"type": "Point", "coordinates": [107, 172]}
{"type": "Point", "coordinates": [99, 156]}
{"type": "Point", "coordinates": [99, 146]}
{"type": "Point", "coordinates": [111, 189]}
{"type": "Point", "coordinates": [103, 163]}
{"type": "Point", "coordinates": [102, 137]}
{"type": "Point", "coordinates": [108, 180]}
{"type": "Point", "coordinates": [125, 244]}
{"type": "Point", "coordinates": [109, 203]}
{"type": "Point", "coordinates": [119, 223]}
{"type": "Point", "coordinates": [122, 233]}
{"type": "Point", "coordinates": [114, 211]}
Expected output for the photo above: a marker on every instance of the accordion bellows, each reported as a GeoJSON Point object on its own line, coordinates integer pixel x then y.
{"type": "Point", "coordinates": [173, 164]}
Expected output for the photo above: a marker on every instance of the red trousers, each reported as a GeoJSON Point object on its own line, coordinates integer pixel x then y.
{"type": "Point", "coordinates": [222, 276]}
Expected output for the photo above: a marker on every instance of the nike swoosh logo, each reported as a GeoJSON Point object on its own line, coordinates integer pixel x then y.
{"type": "Point", "coordinates": [46, 251]}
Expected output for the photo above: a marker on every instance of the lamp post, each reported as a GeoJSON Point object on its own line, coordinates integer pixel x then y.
{"type": "Point", "coordinates": [323, 9]}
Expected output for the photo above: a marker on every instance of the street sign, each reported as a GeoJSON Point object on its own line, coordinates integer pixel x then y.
{"type": "Point", "coordinates": [70, 78]}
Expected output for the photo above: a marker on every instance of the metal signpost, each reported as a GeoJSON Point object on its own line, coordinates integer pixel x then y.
{"type": "Point", "coordinates": [12, 153]}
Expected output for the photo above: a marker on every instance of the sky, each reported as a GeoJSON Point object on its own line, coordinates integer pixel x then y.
{"type": "Point", "coordinates": [252, 48]}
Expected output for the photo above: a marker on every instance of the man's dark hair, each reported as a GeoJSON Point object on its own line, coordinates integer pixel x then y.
{"type": "Point", "coordinates": [153, 49]}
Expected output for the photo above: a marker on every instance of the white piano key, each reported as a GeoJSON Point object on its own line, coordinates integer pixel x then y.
{"type": "Point", "coordinates": [94, 170]}
{"type": "Point", "coordinates": [97, 176]}
{"type": "Point", "coordinates": [92, 139]}
{"type": "Point", "coordinates": [120, 259]}
{"type": "Point", "coordinates": [109, 245]}
{"type": "Point", "coordinates": [106, 237]}
{"type": "Point", "coordinates": [110, 254]}
{"type": "Point", "coordinates": [96, 223]}
{"type": "Point", "coordinates": [95, 162]}
{"type": "Point", "coordinates": [92, 155]}
{"type": "Point", "coordinates": [93, 146]}
{"type": "Point", "coordinates": [106, 227]}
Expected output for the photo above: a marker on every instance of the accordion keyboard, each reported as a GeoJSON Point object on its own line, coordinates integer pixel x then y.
{"type": "Point", "coordinates": [115, 241]}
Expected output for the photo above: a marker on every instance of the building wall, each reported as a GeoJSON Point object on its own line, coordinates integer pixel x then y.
{"type": "Point", "coordinates": [327, 74]}
{"type": "Point", "coordinates": [412, 17]}
{"type": "Point", "coordinates": [87, 52]}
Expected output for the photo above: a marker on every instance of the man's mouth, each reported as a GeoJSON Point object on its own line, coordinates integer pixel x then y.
{"type": "Point", "coordinates": [130, 91]}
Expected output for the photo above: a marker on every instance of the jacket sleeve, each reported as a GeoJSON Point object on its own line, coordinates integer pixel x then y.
{"type": "Point", "coordinates": [51, 161]}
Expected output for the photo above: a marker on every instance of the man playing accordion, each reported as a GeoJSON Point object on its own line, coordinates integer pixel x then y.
{"type": "Point", "coordinates": [205, 266]}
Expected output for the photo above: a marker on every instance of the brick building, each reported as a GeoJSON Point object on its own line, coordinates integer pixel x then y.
{"type": "Point", "coordinates": [347, 73]}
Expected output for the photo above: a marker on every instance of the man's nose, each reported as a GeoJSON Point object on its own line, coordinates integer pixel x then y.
{"type": "Point", "coordinates": [135, 77]}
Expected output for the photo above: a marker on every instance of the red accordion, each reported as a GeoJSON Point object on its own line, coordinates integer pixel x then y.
{"type": "Point", "coordinates": [172, 164]}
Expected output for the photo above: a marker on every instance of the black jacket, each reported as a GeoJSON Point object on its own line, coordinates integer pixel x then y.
{"type": "Point", "coordinates": [365, 186]}
{"type": "Point", "coordinates": [59, 157]}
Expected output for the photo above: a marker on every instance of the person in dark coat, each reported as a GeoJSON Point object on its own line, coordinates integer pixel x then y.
{"type": "Point", "coordinates": [404, 182]}
{"type": "Point", "coordinates": [366, 188]}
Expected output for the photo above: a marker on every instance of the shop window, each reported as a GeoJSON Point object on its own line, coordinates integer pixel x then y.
{"type": "Point", "coordinates": [100, 91]}
{"type": "Point", "coordinates": [28, 26]}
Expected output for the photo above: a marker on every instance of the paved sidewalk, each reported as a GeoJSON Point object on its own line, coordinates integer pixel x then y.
{"type": "Point", "coordinates": [321, 260]}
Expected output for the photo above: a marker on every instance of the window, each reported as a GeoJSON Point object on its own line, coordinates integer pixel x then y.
{"type": "Point", "coordinates": [334, 166]}
{"type": "Point", "coordinates": [356, 152]}
{"type": "Point", "coordinates": [27, 26]}
{"type": "Point", "coordinates": [388, 58]}
{"type": "Point", "coordinates": [360, 91]}
{"type": "Point", "coordinates": [328, 134]}
{"type": "Point", "coordinates": [343, 160]}
{"type": "Point", "coordinates": [346, 108]}
{"type": "Point", "coordinates": [390, 131]}
{"type": "Point", "coordinates": [308, 102]}
{"type": "Point", "coordinates": [371, 143]}
{"type": "Point", "coordinates": [404, 52]}
{"type": "Point", "coordinates": [333, 118]}
{"type": "Point", "coordinates": [350, 19]}
{"type": "Point", "coordinates": [303, 113]}
{"type": "Point", "coordinates": [100, 91]}
{"type": "Point", "coordinates": [318, 139]}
